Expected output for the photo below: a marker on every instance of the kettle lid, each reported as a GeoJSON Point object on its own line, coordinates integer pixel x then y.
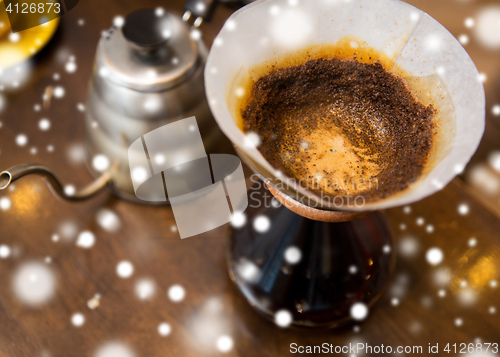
{"type": "Point", "coordinates": [153, 51]}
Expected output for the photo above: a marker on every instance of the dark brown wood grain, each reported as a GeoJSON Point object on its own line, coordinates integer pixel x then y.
{"type": "Point", "coordinates": [212, 306]}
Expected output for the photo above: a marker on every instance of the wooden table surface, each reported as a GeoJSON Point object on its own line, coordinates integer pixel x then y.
{"type": "Point", "coordinates": [411, 312]}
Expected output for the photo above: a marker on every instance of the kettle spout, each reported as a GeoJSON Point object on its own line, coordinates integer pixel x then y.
{"type": "Point", "coordinates": [5, 179]}
{"type": "Point", "coordinates": [16, 172]}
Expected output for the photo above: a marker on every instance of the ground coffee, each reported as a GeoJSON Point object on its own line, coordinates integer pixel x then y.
{"type": "Point", "coordinates": [341, 127]}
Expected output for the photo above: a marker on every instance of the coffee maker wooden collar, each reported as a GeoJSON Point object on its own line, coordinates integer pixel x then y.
{"type": "Point", "coordinates": [310, 212]}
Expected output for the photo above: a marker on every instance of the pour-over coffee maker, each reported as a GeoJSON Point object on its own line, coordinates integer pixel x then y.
{"type": "Point", "coordinates": [318, 264]}
{"type": "Point", "coordinates": [311, 265]}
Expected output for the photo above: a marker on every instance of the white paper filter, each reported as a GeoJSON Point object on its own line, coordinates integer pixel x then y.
{"type": "Point", "coordinates": [268, 29]}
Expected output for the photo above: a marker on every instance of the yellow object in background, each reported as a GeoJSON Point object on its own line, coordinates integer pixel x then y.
{"type": "Point", "coordinates": [18, 47]}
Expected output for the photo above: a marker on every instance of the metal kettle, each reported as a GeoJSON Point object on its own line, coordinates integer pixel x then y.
{"type": "Point", "coordinates": [147, 73]}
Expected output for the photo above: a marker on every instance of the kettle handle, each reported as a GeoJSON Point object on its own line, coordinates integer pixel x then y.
{"type": "Point", "coordinates": [14, 173]}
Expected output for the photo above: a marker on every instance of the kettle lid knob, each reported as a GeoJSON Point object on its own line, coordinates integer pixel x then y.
{"type": "Point", "coordinates": [147, 29]}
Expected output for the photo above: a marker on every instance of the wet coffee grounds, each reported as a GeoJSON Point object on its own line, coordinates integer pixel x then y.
{"type": "Point", "coordinates": [341, 127]}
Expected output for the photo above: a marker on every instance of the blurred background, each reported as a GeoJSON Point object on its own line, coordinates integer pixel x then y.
{"type": "Point", "coordinates": [110, 278]}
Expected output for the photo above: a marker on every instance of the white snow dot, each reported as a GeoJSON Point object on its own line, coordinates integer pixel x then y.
{"type": "Point", "coordinates": [238, 219]}
{"type": "Point", "coordinates": [152, 104]}
{"type": "Point", "coordinates": [195, 34]}
{"type": "Point", "coordinates": [487, 29]}
{"type": "Point", "coordinates": [433, 42]}
{"type": "Point", "coordinates": [407, 209]}
{"type": "Point", "coordinates": [402, 226]}
{"type": "Point", "coordinates": [139, 174]}
{"type": "Point", "coordinates": [439, 185]}
{"type": "Point", "coordinates": [441, 71]}
{"type": "Point", "coordinates": [21, 140]}
{"type": "Point", "coordinates": [283, 318]}
{"type": "Point", "coordinates": [429, 228]}
{"type": "Point", "coordinates": [14, 37]}
{"type": "Point", "coordinates": [34, 283]}
{"type": "Point", "coordinates": [463, 209]}
{"type": "Point", "coordinates": [420, 221]}
{"type": "Point", "coordinates": [230, 25]}
{"type": "Point", "coordinates": [292, 28]}
{"type": "Point", "coordinates": [4, 251]}
{"type": "Point", "coordinates": [386, 249]}
{"type": "Point", "coordinates": [359, 311]}
{"type": "Point", "coordinates": [293, 255]}
{"type": "Point", "coordinates": [159, 11]}
{"type": "Point", "coordinates": [394, 301]}
{"type": "Point", "coordinates": [114, 349]}
{"type": "Point", "coordinates": [494, 160]}
{"type": "Point", "coordinates": [434, 256]}
{"type": "Point", "coordinates": [5, 203]}
{"type": "Point", "coordinates": [80, 107]}
{"type": "Point", "coordinates": [218, 42]}
{"type": "Point", "coordinates": [261, 224]}
{"type": "Point", "coordinates": [103, 72]}
{"type": "Point", "coordinates": [59, 92]}
{"type": "Point", "coordinates": [482, 77]}
{"type": "Point", "coordinates": [459, 322]}
{"type": "Point", "coordinates": [493, 283]}
{"type": "Point", "coordinates": [496, 109]}
{"type": "Point", "coordinates": [441, 293]}
{"type": "Point", "coordinates": [125, 269]}
{"type": "Point", "coordinates": [252, 139]}
{"type": "Point", "coordinates": [492, 310]}
{"type": "Point", "coordinates": [472, 242]}
{"type": "Point", "coordinates": [239, 92]}
{"type": "Point", "coordinates": [69, 190]}
{"type": "Point", "coordinates": [176, 293]}
{"type": "Point", "coordinates": [77, 319]}
{"type": "Point", "coordinates": [414, 16]}
{"type": "Point", "coordinates": [224, 343]}
{"type": "Point", "coordinates": [68, 230]}
{"type": "Point", "coordinates": [469, 22]}
{"type": "Point", "coordinates": [305, 144]}
{"type": "Point", "coordinates": [100, 163]}
{"type": "Point", "coordinates": [200, 6]}
{"type": "Point", "coordinates": [145, 289]}
{"type": "Point", "coordinates": [85, 240]}
{"type": "Point", "coordinates": [441, 277]}
{"type": "Point", "coordinates": [353, 269]}
{"type": "Point", "coordinates": [33, 151]}
{"type": "Point", "coordinates": [118, 21]}
{"type": "Point", "coordinates": [55, 238]}
{"type": "Point", "coordinates": [70, 67]}
{"type": "Point", "coordinates": [464, 39]}
{"type": "Point", "coordinates": [44, 124]}
{"type": "Point", "coordinates": [164, 329]}
{"type": "Point", "coordinates": [248, 271]}
{"type": "Point", "coordinates": [274, 10]}
{"type": "Point", "coordinates": [108, 220]}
